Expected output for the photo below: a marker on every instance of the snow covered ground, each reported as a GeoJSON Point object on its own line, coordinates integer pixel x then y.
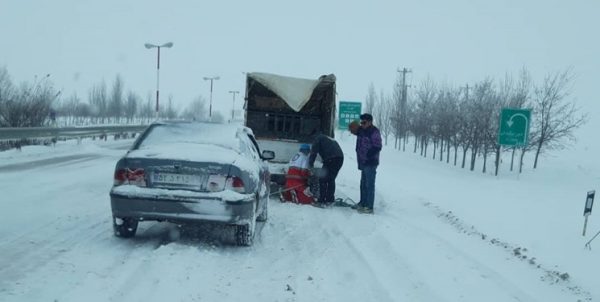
{"type": "Point", "coordinates": [439, 233]}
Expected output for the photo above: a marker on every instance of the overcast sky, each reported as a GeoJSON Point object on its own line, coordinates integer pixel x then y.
{"type": "Point", "coordinates": [82, 42]}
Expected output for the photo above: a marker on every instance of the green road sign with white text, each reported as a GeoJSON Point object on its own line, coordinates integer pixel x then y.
{"type": "Point", "coordinates": [349, 111]}
{"type": "Point", "coordinates": [514, 127]}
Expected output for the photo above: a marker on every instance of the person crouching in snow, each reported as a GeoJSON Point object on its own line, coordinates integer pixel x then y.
{"type": "Point", "coordinates": [296, 183]}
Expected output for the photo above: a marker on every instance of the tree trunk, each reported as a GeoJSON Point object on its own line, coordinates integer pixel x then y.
{"type": "Point", "coordinates": [464, 157]}
{"type": "Point", "coordinates": [537, 154]}
{"type": "Point", "coordinates": [441, 150]}
{"type": "Point", "coordinates": [512, 158]}
{"type": "Point", "coordinates": [521, 160]}
{"type": "Point", "coordinates": [485, 153]}
{"type": "Point", "coordinates": [473, 157]}
{"type": "Point", "coordinates": [434, 149]}
{"type": "Point", "coordinates": [455, 153]}
{"type": "Point", "coordinates": [498, 148]}
{"type": "Point", "coordinates": [415, 151]}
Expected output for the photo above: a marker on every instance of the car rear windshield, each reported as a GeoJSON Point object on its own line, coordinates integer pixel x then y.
{"type": "Point", "coordinates": [214, 134]}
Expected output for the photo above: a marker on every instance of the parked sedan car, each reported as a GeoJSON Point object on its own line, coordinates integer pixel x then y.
{"type": "Point", "coordinates": [188, 172]}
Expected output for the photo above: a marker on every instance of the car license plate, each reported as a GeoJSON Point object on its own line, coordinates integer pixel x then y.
{"type": "Point", "coordinates": [177, 179]}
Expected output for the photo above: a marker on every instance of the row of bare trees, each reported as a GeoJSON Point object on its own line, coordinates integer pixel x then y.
{"type": "Point", "coordinates": [39, 104]}
{"type": "Point", "coordinates": [449, 123]}
{"type": "Point", "coordinates": [27, 104]}
{"type": "Point", "coordinates": [112, 106]}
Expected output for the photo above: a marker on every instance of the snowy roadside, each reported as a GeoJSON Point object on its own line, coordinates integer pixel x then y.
{"type": "Point", "coordinates": [63, 149]}
{"type": "Point", "coordinates": [439, 233]}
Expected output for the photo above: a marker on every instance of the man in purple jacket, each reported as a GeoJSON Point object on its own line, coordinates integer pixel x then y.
{"type": "Point", "coordinates": [368, 146]}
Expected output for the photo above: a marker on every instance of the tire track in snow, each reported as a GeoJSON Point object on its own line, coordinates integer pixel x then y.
{"type": "Point", "coordinates": [391, 249]}
{"type": "Point", "coordinates": [30, 253]}
{"type": "Point", "coordinates": [375, 254]}
{"type": "Point", "coordinates": [37, 251]}
{"type": "Point", "coordinates": [302, 252]}
{"type": "Point", "coordinates": [484, 270]}
{"type": "Point", "coordinates": [317, 237]}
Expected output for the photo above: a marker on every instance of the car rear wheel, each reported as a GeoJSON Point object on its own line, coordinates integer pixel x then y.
{"type": "Point", "coordinates": [124, 227]}
{"type": "Point", "coordinates": [244, 234]}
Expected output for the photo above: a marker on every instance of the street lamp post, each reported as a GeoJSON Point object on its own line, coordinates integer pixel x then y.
{"type": "Point", "coordinates": [234, 92]}
{"type": "Point", "coordinates": [149, 46]}
{"type": "Point", "coordinates": [211, 79]}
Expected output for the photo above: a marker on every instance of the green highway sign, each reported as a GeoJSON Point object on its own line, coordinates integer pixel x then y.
{"type": "Point", "coordinates": [514, 127]}
{"type": "Point", "coordinates": [349, 111]}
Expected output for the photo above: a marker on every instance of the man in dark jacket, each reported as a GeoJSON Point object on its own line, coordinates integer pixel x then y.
{"type": "Point", "coordinates": [333, 159]}
{"type": "Point", "coordinates": [368, 146]}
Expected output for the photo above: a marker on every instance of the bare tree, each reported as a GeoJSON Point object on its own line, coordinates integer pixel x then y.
{"type": "Point", "coordinates": [68, 109]}
{"type": "Point", "coordinates": [555, 119]}
{"type": "Point", "coordinates": [83, 112]}
{"type": "Point", "coordinates": [449, 116]}
{"type": "Point", "coordinates": [131, 105]}
{"type": "Point", "coordinates": [422, 128]}
{"type": "Point", "coordinates": [196, 110]}
{"type": "Point", "coordinates": [371, 99]}
{"type": "Point", "coordinates": [382, 115]}
{"type": "Point", "coordinates": [397, 116]}
{"type": "Point", "coordinates": [489, 110]}
{"type": "Point", "coordinates": [99, 101]}
{"type": "Point", "coordinates": [7, 91]}
{"type": "Point", "coordinates": [171, 112]}
{"type": "Point", "coordinates": [115, 107]}
{"type": "Point", "coordinates": [29, 105]}
{"type": "Point", "coordinates": [467, 127]}
{"type": "Point", "coordinates": [147, 109]}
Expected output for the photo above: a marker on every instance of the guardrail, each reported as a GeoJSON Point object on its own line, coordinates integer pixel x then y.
{"type": "Point", "coordinates": [66, 132]}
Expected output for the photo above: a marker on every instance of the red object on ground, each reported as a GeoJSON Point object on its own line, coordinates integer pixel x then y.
{"type": "Point", "coordinates": [296, 186]}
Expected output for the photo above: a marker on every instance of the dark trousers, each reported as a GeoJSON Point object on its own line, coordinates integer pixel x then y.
{"type": "Point", "coordinates": [331, 168]}
{"type": "Point", "coordinates": [367, 186]}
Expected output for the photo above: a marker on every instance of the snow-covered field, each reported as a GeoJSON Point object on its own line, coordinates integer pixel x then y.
{"type": "Point", "coordinates": [439, 233]}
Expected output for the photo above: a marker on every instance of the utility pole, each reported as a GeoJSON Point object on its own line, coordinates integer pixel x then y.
{"type": "Point", "coordinates": [211, 79]}
{"type": "Point", "coordinates": [234, 92]}
{"type": "Point", "coordinates": [403, 102]}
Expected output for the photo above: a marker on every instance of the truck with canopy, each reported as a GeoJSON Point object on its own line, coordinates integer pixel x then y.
{"type": "Point", "coordinates": [284, 112]}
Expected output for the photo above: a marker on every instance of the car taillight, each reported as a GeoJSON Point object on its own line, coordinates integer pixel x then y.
{"type": "Point", "coordinates": [236, 184]}
{"type": "Point", "coordinates": [130, 177]}
{"type": "Point", "coordinates": [120, 177]}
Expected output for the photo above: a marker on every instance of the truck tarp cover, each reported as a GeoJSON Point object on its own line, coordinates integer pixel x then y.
{"type": "Point", "coordinates": [295, 92]}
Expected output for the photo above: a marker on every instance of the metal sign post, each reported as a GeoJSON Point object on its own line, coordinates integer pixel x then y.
{"type": "Point", "coordinates": [587, 211]}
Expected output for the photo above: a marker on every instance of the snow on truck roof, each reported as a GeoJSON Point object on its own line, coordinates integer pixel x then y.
{"type": "Point", "coordinates": [296, 92]}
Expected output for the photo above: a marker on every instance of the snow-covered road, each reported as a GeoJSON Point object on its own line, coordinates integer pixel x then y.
{"type": "Point", "coordinates": [57, 245]}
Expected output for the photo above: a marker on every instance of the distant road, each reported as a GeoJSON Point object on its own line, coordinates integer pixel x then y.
{"type": "Point", "coordinates": [48, 162]}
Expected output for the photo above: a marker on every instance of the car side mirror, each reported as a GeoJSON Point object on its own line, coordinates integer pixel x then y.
{"type": "Point", "coordinates": [268, 155]}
